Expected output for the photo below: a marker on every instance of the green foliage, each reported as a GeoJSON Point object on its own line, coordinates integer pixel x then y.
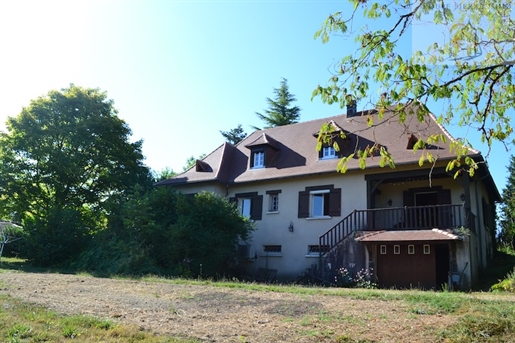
{"type": "Point", "coordinates": [163, 174]}
{"type": "Point", "coordinates": [470, 70]}
{"type": "Point", "coordinates": [164, 232]}
{"type": "Point", "coordinates": [55, 237]}
{"type": "Point", "coordinates": [234, 136]}
{"type": "Point", "coordinates": [507, 284]}
{"type": "Point", "coordinates": [506, 235]}
{"type": "Point", "coordinates": [279, 111]}
{"type": "Point", "coordinates": [206, 234]}
{"type": "Point", "coordinates": [9, 233]}
{"type": "Point", "coordinates": [63, 162]}
{"type": "Point", "coordinates": [190, 162]}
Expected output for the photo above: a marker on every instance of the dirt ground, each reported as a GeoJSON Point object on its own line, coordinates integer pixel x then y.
{"type": "Point", "coordinates": [214, 314]}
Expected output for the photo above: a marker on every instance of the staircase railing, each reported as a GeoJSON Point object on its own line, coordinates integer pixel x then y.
{"type": "Point", "coordinates": [399, 218]}
{"type": "Point", "coordinates": [343, 229]}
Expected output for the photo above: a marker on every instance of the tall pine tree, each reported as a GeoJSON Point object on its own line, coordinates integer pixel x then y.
{"type": "Point", "coordinates": [507, 234]}
{"type": "Point", "coordinates": [279, 112]}
{"type": "Point", "coordinates": [234, 136]}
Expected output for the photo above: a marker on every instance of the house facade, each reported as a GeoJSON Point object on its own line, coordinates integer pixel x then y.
{"type": "Point", "coordinates": [411, 226]}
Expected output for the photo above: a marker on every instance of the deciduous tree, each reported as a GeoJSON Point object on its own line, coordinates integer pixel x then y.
{"type": "Point", "coordinates": [464, 59]}
{"type": "Point", "coordinates": [61, 160]}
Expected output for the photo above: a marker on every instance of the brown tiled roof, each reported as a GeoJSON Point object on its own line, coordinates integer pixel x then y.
{"type": "Point", "coordinates": [264, 139]}
{"type": "Point", "coordinates": [408, 236]}
{"type": "Point", "coordinates": [297, 154]}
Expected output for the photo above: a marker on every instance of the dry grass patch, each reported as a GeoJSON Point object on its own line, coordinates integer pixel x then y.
{"type": "Point", "coordinates": [240, 312]}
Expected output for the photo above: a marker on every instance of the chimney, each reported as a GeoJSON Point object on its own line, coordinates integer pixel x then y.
{"type": "Point", "coordinates": [351, 108]}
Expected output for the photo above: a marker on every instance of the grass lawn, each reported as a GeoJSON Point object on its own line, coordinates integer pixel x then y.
{"type": "Point", "coordinates": [471, 317]}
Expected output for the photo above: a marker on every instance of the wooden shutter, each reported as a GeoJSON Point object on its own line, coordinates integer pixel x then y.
{"type": "Point", "coordinates": [256, 207]}
{"type": "Point", "coordinates": [303, 204]}
{"type": "Point", "coordinates": [335, 202]}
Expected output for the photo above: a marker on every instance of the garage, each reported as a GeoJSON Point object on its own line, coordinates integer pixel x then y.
{"type": "Point", "coordinates": [410, 259]}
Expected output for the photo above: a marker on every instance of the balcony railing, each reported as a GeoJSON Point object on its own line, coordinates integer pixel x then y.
{"type": "Point", "coordinates": [397, 218]}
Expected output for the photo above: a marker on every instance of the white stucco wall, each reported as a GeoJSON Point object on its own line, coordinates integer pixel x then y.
{"type": "Point", "coordinates": [273, 228]}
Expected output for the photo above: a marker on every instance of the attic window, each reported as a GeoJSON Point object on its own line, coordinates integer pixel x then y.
{"type": "Point", "coordinates": [412, 140]}
{"type": "Point", "coordinates": [262, 151]}
{"type": "Point", "coordinates": [328, 152]}
{"type": "Point", "coordinates": [201, 166]}
{"type": "Point", "coordinates": [258, 158]}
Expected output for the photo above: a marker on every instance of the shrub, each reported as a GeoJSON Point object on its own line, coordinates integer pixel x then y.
{"type": "Point", "coordinates": [507, 284]}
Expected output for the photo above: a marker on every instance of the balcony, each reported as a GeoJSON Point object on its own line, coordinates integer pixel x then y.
{"type": "Point", "coordinates": [397, 218]}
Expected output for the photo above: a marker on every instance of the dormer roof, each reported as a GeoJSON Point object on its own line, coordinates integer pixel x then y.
{"type": "Point", "coordinates": [297, 154]}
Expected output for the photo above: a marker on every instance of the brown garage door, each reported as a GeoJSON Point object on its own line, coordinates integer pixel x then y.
{"type": "Point", "coordinates": [406, 266]}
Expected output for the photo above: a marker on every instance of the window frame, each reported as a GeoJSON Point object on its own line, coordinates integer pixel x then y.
{"type": "Point", "coordinates": [272, 250]}
{"type": "Point", "coordinates": [273, 198]}
{"type": "Point", "coordinates": [258, 163]}
{"type": "Point", "coordinates": [315, 250]}
{"type": "Point", "coordinates": [411, 249]}
{"type": "Point", "coordinates": [245, 210]}
{"type": "Point", "coordinates": [396, 249]}
{"type": "Point", "coordinates": [330, 205]}
{"type": "Point", "coordinates": [427, 249]}
{"type": "Point", "coordinates": [328, 153]}
{"type": "Point", "coordinates": [382, 249]}
{"type": "Point", "coordinates": [273, 203]}
{"type": "Point", "coordinates": [319, 209]}
{"type": "Point", "coordinates": [256, 204]}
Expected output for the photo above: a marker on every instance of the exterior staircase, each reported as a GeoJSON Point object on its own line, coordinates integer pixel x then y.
{"type": "Point", "coordinates": [332, 251]}
{"type": "Point", "coordinates": [338, 248]}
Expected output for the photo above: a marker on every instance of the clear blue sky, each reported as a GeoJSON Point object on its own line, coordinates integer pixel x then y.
{"type": "Point", "coordinates": [178, 71]}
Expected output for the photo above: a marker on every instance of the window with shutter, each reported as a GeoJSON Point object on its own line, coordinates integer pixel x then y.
{"type": "Point", "coordinates": [250, 204]}
{"type": "Point", "coordinates": [320, 202]}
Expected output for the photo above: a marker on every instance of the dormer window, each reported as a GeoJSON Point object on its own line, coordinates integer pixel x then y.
{"type": "Point", "coordinates": [262, 152]}
{"type": "Point", "coordinates": [258, 159]}
{"type": "Point", "coordinates": [328, 152]}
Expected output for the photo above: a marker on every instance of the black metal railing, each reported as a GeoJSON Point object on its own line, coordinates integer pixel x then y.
{"type": "Point", "coordinates": [397, 218]}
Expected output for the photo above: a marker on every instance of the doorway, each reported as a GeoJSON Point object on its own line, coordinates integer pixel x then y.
{"type": "Point", "coordinates": [442, 261]}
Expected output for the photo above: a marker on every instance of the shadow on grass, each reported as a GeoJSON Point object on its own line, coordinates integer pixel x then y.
{"type": "Point", "coordinates": [9, 263]}
{"type": "Point", "coordinates": [502, 264]}
{"type": "Point", "coordinates": [26, 266]}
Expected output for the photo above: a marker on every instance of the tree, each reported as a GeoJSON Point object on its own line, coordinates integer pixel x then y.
{"type": "Point", "coordinates": [506, 235]}
{"type": "Point", "coordinates": [190, 162]}
{"type": "Point", "coordinates": [162, 231]}
{"type": "Point", "coordinates": [61, 161]}
{"type": "Point", "coordinates": [279, 113]}
{"type": "Point", "coordinates": [9, 233]}
{"type": "Point", "coordinates": [163, 174]}
{"type": "Point", "coordinates": [470, 68]}
{"type": "Point", "coordinates": [234, 136]}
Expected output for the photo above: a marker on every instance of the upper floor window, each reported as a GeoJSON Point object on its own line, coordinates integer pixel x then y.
{"type": "Point", "coordinates": [245, 206]}
{"type": "Point", "coordinates": [273, 200]}
{"type": "Point", "coordinates": [328, 152]}
{"type": "Point", "coordinates": [274, 203]}
{"type": "Point", "coordinates": [320, 202]}
{"type": "Point", "coordinates": [258, 159]}
{"type": "Point", "coordinates": [250, 204]}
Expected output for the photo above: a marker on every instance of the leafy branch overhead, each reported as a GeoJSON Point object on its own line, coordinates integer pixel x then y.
{"type": "Point", "coordinates": [467, 64]}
